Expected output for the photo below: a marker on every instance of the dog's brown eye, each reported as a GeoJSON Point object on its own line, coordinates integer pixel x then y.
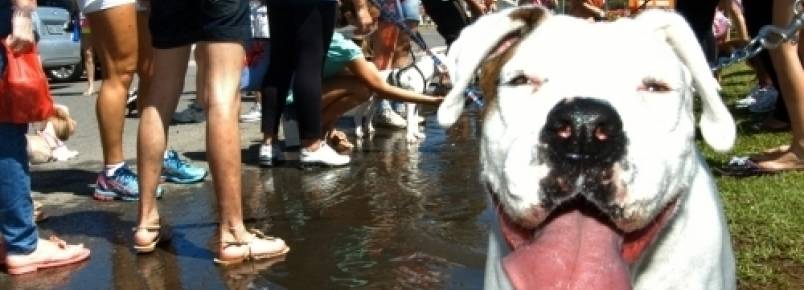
{"type": "Point", "coordinates": [651, 85]}
{"type": "Point", "coordinates": [518, 81]}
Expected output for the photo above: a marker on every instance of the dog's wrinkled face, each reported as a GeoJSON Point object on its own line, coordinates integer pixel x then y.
{"type": "Point", "coordinates": [588, 139]}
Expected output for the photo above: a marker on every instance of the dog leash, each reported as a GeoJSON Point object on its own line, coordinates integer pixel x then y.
{"type": "Point", "coordinates": [769, 37]}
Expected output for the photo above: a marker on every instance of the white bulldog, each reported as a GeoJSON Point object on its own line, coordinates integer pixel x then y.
{"type": "Point", "coordinates": [588, 151]}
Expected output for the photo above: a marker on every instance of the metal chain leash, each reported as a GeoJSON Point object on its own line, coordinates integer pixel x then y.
{"type": "Point", "coordinates": [769, 37]}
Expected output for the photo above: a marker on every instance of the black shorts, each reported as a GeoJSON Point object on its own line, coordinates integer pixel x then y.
{"type": "Point", "coordinates": [175, 23]}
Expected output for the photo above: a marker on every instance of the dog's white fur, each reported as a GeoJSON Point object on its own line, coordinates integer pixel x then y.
{"type": "Point", "coordinates": [47, 144]}
{"type": "Point", "coordinates": [607, 61]}
{"type": "Point", "coordinates": [409, 79]}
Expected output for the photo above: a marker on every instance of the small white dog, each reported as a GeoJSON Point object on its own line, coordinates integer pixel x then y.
{"type": "Point", "coordinates": [421, 76]}
{"type": "Point", "coordinates": [590, 158]}
{"type": "Point", "coordinates": [47, 144]}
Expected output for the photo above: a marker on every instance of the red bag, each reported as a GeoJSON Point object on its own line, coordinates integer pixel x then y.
{"type": "Point", "coordinates": [24, 93]}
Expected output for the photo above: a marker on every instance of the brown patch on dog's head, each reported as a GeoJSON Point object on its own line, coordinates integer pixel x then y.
{"type": "Point", "coordinates": [63, 125]}
{"type": "Point", "coordinates": [531, 16]}
{"type": "Point", "coordinates": [490, 69]}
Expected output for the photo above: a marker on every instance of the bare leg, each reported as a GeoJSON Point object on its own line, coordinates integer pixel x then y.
{"type": "Point", "coordinates": [170, 66]}
{"type": "Point", "coordinates": [791, 83]}
{"type": "Point", "coordinates": [339, 95]}
{"type": "Point", "coordinates": [89, 63]}
{"type": "Point", "coordinates": [221, 85]}
{"type": "Point", "coordinates": [115, 42]}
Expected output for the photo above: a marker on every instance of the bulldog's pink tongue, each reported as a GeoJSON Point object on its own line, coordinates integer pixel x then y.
{"type": "Point", "coordinates": [573, 251]}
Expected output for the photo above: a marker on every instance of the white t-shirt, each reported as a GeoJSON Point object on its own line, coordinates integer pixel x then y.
{"type": "Point", "coordinates": [259, 19]}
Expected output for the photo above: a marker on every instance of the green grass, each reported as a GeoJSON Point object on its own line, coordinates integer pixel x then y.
{"type": "Point", "coordinates": [766, 214]}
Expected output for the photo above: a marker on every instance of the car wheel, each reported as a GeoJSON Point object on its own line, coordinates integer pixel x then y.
{"type": "Point", "coordinates": [67, 73]}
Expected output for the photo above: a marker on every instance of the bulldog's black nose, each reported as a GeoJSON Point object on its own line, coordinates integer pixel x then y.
{"type": "Point", "coordinates": [584, 131]}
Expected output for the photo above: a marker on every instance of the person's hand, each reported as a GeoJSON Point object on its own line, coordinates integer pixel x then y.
{"type": "Point", "coordinates": [21, 38]}
{"type": "Point", "coordinates": [437, 100]}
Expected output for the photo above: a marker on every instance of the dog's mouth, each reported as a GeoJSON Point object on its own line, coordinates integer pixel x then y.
{"type": "Point", "coordinates": [576, 247]}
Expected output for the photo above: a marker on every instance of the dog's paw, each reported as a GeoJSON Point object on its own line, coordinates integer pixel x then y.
{"type": "Point", "coordinates": [359, 131]}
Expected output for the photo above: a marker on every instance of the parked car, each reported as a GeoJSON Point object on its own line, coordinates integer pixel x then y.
{"type": "Point", "coordinates": [59, 51]}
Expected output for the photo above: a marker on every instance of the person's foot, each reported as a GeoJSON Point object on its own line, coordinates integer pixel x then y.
{"type": "Point", "coordinates": [176, 170]}
{"type": "Point", "coordinates": [122, 185]}
{"type": "Point", "coordinates": [323, 156]}
{"type": "Point", "coordinates": [251, 245]}
{"type": "Point", "coordinates": [89, 91]}
{"type": "Point", "coordinates": [49, 253]}
{"type": "Point", "coordinates": [269, 155]}
{"type": "Point", "coordinates": [148, 236]}
{"type": "Point", "coordinates": [779, 160]}
{"type": "Point", "coordinates": [194, 113]}
{"type": "Point", "coordinates": [253, 115]}
{"type": "Point", "coordinates": [389, 118]}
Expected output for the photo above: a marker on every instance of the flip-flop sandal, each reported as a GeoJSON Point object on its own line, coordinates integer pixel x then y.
{"type": "Point", "coordinates": [249, 255]}
{"type": "Point", "coordinates": [742, 166]}
{"type": "Point", "coordinates": [161, 236]}
{"type": "Point", "coordinates": [80, 256]}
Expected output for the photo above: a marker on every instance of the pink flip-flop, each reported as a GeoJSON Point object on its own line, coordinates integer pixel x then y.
{"type": "Point", "coordinates": [78, 256]}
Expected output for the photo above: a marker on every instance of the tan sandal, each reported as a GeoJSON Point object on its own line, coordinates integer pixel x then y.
{"type": "Point", "coordinates": [340, 142]}
{"type": "Point", "coordinates": [249, 255]}
{"type": "Point", "coordinates": [38, 214]}
{"type": "Point", "coordinates": [150, 247]}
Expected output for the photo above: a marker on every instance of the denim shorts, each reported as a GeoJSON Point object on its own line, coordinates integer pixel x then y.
{"type": "Point", "coordinates": [176, 23]}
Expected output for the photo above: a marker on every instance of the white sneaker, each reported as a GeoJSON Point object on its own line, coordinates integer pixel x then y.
{"type": "Point", "coordinates": [325, 155]}
{"type": "Point", "coordinates": [194, 113]}
{"type": "Point", "coordinates": [389, 118]}
{"type": "Point", "coordinates": [253, 115]}
{"type": "Point", "coordinates": [269, 154]}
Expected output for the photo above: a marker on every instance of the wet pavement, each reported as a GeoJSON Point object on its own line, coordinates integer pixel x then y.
{"type": "Point", "coordinates": [399, 217]}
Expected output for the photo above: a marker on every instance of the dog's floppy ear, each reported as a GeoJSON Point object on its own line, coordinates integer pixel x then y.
{"type": "Point", "coordinates": [717, 124]}
{"type": "Point", "coordinates": [473, 46]}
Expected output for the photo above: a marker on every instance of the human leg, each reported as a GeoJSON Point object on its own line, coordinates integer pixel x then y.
{"type": "Point", "coordinates": [114, 41]}
{"type": "Point", "coordinates": [700, 14]}
{"type": "Point", "coordinates": [24, 251]}
{"type": "Point", "coordinates": [787, 63]}
{"type": "Point", "coordinates": [89, 62]}
{"type": "Point", "coordinates": [757, 14]}
{"type": "Point", "coordinates": [223, 145]}
{"type": "Point", "coordinates": [157, 105]}
{"type": "Point", "coordinates": [283, 25]}
{"type": "Point", "coordinates": [314, 36]}
{"type": "Point", "coordinates": [340, 94]}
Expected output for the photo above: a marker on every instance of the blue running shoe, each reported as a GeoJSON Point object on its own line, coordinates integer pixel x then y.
{"type": "Point", "coordinates": [176, 170]}
{"type": "Point", "coordinates": [120, 186]}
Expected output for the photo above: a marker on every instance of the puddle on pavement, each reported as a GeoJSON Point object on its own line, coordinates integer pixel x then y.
{"type": "Point", "coordinates": [400, 217]}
